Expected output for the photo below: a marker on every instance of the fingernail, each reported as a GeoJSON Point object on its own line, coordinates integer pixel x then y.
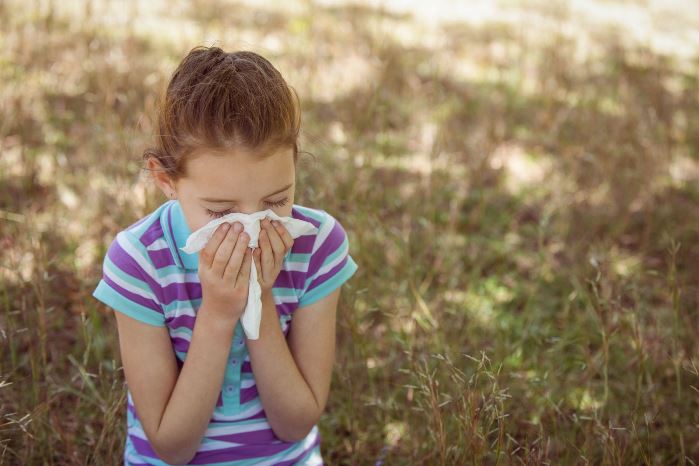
{"type": "Point", "coordinates": [237, 227]}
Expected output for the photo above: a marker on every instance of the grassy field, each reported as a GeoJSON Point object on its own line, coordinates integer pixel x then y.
{"type": "Point", "coordinates": [520, 186]}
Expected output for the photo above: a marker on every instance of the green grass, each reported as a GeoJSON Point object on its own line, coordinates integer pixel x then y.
{"type": "Point", "coordinates": [524, 217]}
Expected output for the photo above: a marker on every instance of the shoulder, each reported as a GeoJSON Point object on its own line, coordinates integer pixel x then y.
{"type": "Point", "coordinates": [329, 228]}
{"type": "Point", "coordinates": [328, 262]}
{"type": "Point", "coordinates": [132, 279]}
{"type": "Point", "coordinates": [135, 256]}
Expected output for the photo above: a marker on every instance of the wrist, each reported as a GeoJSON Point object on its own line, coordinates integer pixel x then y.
{"type": "Point", "coordinates": [267, 295]}
{"type": "Point", "coordinates": [215, 320]}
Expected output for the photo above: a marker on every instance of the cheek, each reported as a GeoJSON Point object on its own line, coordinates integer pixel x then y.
{"type": "Point", "coordinates": [283, 211]}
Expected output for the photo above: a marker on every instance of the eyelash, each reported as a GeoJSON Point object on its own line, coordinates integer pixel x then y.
{"type": "Point", "coordinates": [212, 213]}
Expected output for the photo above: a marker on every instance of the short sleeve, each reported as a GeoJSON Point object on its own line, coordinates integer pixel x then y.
{"type": "Point", "coordinates": [127, 283]}
{"type": "Point", "coordinates": [330, 265]}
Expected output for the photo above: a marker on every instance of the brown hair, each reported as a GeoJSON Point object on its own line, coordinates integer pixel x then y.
{"type": "Point", "coordinates": [218, 101]}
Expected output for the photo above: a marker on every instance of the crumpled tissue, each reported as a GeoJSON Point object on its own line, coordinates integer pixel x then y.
{"type": "Point", "coordinates": [252, 315]}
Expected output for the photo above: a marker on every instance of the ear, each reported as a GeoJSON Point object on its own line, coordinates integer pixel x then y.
{"type": "Point", "coordinates": [160, 178]}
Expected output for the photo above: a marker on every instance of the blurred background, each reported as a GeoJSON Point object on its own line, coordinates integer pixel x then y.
{"type": "Point", "coordinates": [518, 180]}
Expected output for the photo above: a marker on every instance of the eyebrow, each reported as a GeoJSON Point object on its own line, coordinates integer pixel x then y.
{"type": "Point", "coordinates": [208, 199]}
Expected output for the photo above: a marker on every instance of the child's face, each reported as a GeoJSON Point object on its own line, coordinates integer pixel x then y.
{"type": "Point", "coordinates": [241, 182]}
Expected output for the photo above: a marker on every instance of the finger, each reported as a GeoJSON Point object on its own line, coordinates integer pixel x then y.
{"type": "Point", "coordinates": [223, 253]}
{"type": "Point", "coordinates": [266, 252]}
{"type": "Point", "coordinates": [275, 240]}
{"type": "Point", "coordinates": [236, 258]}
{"type": "Point", "coordinates": [244, 274]}
{"type": "Point", "coordinates": [206, 256]}
{"type": "Point", "coordinates": [283, 233]}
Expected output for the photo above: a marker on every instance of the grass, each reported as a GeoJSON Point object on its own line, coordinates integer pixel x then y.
{"type": "Point", "coordinates": [527, 290]}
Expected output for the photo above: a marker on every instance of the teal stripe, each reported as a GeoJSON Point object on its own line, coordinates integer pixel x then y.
{"type": "Point", "coordinates": [298, 257]}
{"type": "Point", "coordinates": [334, 282]}
{"type": "Point", "coordinates": [313, 213]}
{"type": "Point", "coordinates": [116, 301]}
{"type": "Point", "coordinates": [136, 282]}
{"type": "Point", "coordinates": [168, 270]}
{"type": "Point", "coordinates": [341, 250]}
{"type": "Point", "coordinates": [139, 230]}
{"type": "Point", "coordinates": [177, 305]}
{"type": "Point", "coordinates": [182, 329]}
{"type": "Point", "coordinates": [283, 291]}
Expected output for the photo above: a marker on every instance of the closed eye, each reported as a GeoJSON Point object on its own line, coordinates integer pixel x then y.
{"type": "Point", "coordinates": [215, 214]}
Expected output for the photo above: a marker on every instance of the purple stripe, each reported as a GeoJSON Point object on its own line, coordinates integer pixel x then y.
{"type": "Point", "coordinates": [326, 276]}
{"type": "Point", "coordinates": [247, 394]}
{"type": "Point", "coordinates": [180, 344]}
{"type": "Point", "coordinates": [182, 321]}
{"type": "Point", "coordinates": [257, 436]}
{"type": "Point", "coordinates": [246, 367]}
{"type": "Point", "coordinates": [295, 213]}
{"type": "Point", "coordinates": [143, 447]}
{"type": "Point", "coordinates": [149, 303]}
{"type": "Point", "coordinates": [161, 257]}
{"type": "Point", "coordinates": [129, 266]}
{"type": "Point", "coordinates": [152, 234]}
{"type": "Point", "coordinates": [331, 243]}
{"type": "Point", "coordinates": [303, 244]}
{"type": "Point", "coordinates": [244, 451]}
{"type": "Point", "coordinates": [183, 291]}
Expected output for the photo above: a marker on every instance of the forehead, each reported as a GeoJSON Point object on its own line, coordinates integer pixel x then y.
{"type": "Point", "coordinates": [225, 171]}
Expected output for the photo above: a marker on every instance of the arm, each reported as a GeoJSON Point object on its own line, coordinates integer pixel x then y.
{"type": "Point", "coordinates": [175, 409]}
{"type": "Point", "coordinates": [293, 380]}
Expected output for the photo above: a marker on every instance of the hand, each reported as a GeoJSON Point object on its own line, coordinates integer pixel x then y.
{"type": "Point", "coordinates": [224, 271]}
{"type": "Point", "coordinates": [274, 242]}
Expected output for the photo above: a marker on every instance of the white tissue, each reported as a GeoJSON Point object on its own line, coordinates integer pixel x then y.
{"type": "Point", "coordinates": [252, 315]}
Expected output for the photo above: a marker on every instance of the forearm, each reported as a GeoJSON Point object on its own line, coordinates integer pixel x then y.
{"type": "Point", "coordinates": [288, 401]}
{"type": "Point", "coordinates": [193, 399]}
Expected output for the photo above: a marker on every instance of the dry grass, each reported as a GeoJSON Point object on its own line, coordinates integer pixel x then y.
{"type": "Point", "coordinates": [527, 289]}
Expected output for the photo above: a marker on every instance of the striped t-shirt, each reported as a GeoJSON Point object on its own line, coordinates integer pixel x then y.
{"type": "Point", "coordinates": [147, 277]}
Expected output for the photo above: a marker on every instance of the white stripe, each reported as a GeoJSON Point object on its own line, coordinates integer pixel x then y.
{"type": "Point", "coordinates": [158, 245]}
{"type": "Point", "coordinates": [183, 308]}
{"type": "Point", "coordinates": [254, 409]}
{"type": "Point", "coordinates": [281, 299]}
{"type": "Point", "coordinates": [296, 266]}
{"type": "Point", "coordinates": [179, 277]}
{"type": "Point", "coordinates": [327, 267]}
{"type": "Point", "coordinates": [131, 250]}
{"type": "Point", "coordinates": [134, 289]}
{"type": "Point", "coordinates": [137, 431]}
{"type": "Point", "coordinates": [237, 429]}
{"type": "Point", "coordinates": [247, 383]}
{"type": "Point", "coordinates": [325, 229]}
{"type": "Point", "coordinates": [180, 332]}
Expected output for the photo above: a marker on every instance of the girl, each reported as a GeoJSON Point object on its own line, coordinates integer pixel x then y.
{"type": "Point", "coordinates": [198, 391]}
